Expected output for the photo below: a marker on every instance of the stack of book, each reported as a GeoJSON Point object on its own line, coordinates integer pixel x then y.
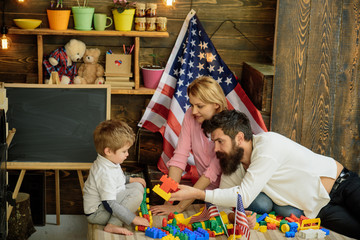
{"type": "Point", "coordinates": [118, 81]}
{"type": "Point", "coordinates": [118, 71]}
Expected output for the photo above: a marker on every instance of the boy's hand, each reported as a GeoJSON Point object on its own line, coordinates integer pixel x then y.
{"type": "Point", "coordinates": [251, 218]}
{"type": "Point", "coordinates": [139, 180]}
{"type": "Point", "coordinates": [141, 221]}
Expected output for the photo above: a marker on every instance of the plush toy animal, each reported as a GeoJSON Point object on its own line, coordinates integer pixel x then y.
{"type": "Point", "coordinates": [62, 61]}
{"type": "Point", "coordinates": [90, 72]}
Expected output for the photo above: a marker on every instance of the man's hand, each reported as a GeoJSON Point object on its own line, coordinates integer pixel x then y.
{"type": "Point", "coordinates": [139, 180]}
{"type": "Point", "coordinates": [187, 192]}
{"type": "Point", "coordinates": [141, 221]}
{"type": "Point", "coordinates": [164, 209]}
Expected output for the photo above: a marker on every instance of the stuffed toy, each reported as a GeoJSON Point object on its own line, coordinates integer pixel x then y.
{"type": "Point", "coordinates": [90, 72]}
{"type": "Point", "coordinates": [62, 61]}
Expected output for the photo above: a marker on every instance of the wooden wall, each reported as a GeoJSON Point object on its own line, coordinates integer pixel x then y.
{"type": "Point", "coordinates": [225, 21]}
{"type": "Point", "coordinates": [316, 98]}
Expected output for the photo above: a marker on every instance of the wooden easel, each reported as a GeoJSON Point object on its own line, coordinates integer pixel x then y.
{"type": "Point", "coordinates": [23, 166]}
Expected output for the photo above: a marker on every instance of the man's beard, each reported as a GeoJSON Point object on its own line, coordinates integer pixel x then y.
{"type": "Point", "coordinates": [229, 162]}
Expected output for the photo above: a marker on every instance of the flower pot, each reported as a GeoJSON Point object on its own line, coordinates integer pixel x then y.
{"type": "Point", "coordinates": [83, 17]}
{"type": "Point", "coordinates": [151, 76]}
{"type": "Point", "coordinates": [58, 18]}
{"type": "Point", "coordinates": [123, 21]}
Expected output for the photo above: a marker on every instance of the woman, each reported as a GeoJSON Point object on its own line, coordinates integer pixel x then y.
{"type": "Point", "coordinates": [206, 98]}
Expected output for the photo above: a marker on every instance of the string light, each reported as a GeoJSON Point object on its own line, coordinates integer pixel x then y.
{"type": "Point", "coordinates": [169, 2]}
{"type": "Point", "coordinates": [5, 41]}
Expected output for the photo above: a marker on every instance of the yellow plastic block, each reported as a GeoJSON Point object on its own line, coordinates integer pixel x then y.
{"type": "Point", "coordinates": [263, 228]}
{"type": "Point", "coordinates": [309, 223]}
{"type": "Point", "coordinates": [161, 192]}
{"type": "Point", "coordinates": [285, 228]}
{"type": "Point", "coordinates": [224, 217]}
{"type": "Point", "coordinates": [256, 227]}
{"type": "Point", "coordinates": [270, 220]}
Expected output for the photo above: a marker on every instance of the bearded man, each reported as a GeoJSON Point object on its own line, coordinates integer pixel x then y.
{"type": "Point", "coordinates": [280, 171]}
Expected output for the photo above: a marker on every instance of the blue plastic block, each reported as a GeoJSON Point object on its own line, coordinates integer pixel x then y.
{"type": "Point", "coordinates": [203, 233]}
{"type": "Point", "coordinates": [262, 217]}
{"type": "Point", "coordinates": [154, 232]}
{"type": "Point", "coordinates": [290, 234]}
{"type": "Point", "coordinates": [327, 231]}
{"type": "Point", "coordinates": [293, 226]}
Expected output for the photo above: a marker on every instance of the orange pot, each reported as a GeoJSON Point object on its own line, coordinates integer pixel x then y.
{"type": "Point", "coordinates": [58, 19]}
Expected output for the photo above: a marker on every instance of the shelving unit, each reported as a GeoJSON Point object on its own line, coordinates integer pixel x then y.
{"type": "Point", "coordinates": [40, 32]}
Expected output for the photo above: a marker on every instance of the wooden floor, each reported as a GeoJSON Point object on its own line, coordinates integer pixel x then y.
{"type": "Point", "coordinates": [95, 232]}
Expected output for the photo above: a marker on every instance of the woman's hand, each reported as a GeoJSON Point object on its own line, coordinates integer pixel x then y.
{"type": "Point", "coordinates": [186, 193]}
{"type": "Point", "coordinates": [165, 209]}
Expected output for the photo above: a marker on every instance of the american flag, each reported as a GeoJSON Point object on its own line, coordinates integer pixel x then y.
{"type": "Point", "coordinates": [193, 56]}
{"type": "Point", "coordinates": [209, 210]}
{"type": "Point", "coordinates": [240, 219]}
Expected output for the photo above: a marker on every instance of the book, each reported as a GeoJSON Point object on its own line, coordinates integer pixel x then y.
{"type": "Point", "coordinates": [121, 84]}
{"type": "Point", "coordinates": [117, 79]}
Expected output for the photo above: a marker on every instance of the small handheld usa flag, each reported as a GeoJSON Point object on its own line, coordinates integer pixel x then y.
{"type": "Point", "coordinates": [240, 219]}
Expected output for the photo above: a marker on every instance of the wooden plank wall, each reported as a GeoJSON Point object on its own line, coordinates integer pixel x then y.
{"type": "Point", "coordinates": [316, 99]}
{"type": "Point", "coordinates": [253, 18]}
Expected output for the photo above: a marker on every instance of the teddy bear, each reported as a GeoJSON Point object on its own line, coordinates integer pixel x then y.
{"type": "Point", "coordinates": [62, 61]}
{"type": "Point", "coordinates": [90, 72]}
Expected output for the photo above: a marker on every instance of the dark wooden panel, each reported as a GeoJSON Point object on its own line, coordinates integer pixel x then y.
{"type": "Point", "coordinates": [345, 140]}
{"type": "Point", "coordinates": [291, 43]}
{"type": "Point", "coordinates": [319, 88]}
{"type": "Point", "coordinates": [316, 87]}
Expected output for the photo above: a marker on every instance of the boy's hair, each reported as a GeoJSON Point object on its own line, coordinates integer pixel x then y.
{"type": "Point", "coordinates": [208, 91]}
{"type": "Point", "coordinates": [113, 134]}
{"type": "Point", "coordinates": [231, 122]}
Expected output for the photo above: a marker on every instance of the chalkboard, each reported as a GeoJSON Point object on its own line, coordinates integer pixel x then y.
{"type": "Point", "coordinates": [55, 123]}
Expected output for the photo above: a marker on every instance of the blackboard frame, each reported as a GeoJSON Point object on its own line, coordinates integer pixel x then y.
{"type": "Point", "coordinates": [56, 114]}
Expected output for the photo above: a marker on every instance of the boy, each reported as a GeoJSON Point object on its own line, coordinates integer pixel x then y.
{"type": "Point", "coordinates": [110, 198]}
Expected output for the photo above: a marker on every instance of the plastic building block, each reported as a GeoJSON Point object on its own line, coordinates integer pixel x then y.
{"type": "Point", "coordinates": [271, 226]}
{"type": "Point", "coordinates": [310, 223]}
{"type": "Point", "coordinates": [296, 219]}
{"type": "Point", "coordinates": [154, 233]}
{"type": "Point", "coordinates": [311, 233]}
{"type": "Point", "coordinates": [271, 220]}
{"type": "Point", "coordinates": [262, 217]}
{"type": "Point", "coordinates": [168, 184]}
{"type": "Point", "coordinates": [293, 226]}
{"type": "Point", "coordinates": [262, 229]}
{"type": "Point", "coordinates": [290, 234]}
{"type": "Point", "coordinates": [327, 231]}
{"type": "Point", "coordinates": [161, 192]}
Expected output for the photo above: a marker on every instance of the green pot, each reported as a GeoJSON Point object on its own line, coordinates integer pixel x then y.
{"type": "Point", "coordinates": [83, 17]}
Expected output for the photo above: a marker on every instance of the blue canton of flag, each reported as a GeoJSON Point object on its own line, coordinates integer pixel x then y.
{"type": "Point", "coordinates": [198, 57]}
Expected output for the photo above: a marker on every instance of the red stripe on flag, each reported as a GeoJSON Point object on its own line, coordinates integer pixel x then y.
{"type": "Point", "coordinates": [255, 113]}
{"type": "Point", "coordinates": [161, 110]}
{"type": "Point", "coordinates": [167, 90]}
{"type": "Point", "coordinates": [174, 123]}
{"type": "Point", "coordinates": [150, 126]}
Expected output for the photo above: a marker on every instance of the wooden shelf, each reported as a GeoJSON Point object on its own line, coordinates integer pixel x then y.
{"type": "Point", "coordinates": [140, 91]}
{"type": "Point", "coordinates": [40, 32]}
{"type": "Point", "coordinates": [106, 33]}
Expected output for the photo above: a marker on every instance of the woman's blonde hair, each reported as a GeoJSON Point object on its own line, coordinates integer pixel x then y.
{"type": "Point", "coordinates": [208, 91]}
{"type": "Point", "coordinates": [113, 134]}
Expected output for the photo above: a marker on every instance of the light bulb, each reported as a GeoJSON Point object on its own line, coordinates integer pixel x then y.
{"type": "Point", "coordinates": [5, 42]}
{"type": "Point", "coordinates": [169, 2]}
{"type": "Point", "coordinates": [21, 1]}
